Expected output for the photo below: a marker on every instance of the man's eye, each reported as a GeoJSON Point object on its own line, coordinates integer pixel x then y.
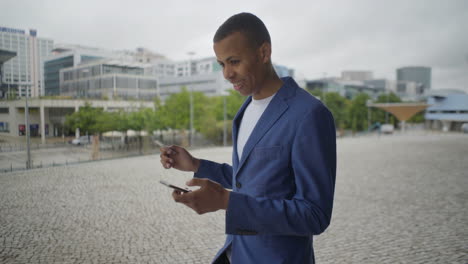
{"type": "Point", "coordinates": [234, 62]}
{"type": "Point", "coordinates": [221, 64]}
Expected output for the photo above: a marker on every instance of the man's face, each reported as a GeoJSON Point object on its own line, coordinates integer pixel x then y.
{"type": "Point", "coordinates": [242, 63]}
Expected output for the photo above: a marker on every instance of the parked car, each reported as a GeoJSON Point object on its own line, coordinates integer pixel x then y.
{"type": "Point", "coordinates": [387, 128]}
{"type": "Point", "coordinates": [83, 140]}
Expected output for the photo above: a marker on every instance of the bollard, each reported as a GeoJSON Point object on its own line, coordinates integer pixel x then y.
{"type": "Point", "coordinates": [11, 167]}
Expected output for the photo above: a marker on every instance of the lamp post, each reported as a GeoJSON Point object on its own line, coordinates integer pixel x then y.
{"type": "Point", "coordinates": [368, 104]}
{"type": "Point", "coordinates": [191, 53]}
{"type": "Point", "coordinates": [386, 113]}
{"type": "Point", "coordinates": [224, 94]}
{"type": "Point", "coordinates": [28, 136]}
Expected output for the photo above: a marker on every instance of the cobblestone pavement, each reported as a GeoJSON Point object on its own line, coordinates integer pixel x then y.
{"type": "Point", "coordinates": [399, 199]}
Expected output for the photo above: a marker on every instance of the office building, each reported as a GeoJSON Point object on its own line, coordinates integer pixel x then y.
{"type": "Point", "coordinates": [108, 79]}
{"type": "Point", "coordinates": [211, 84]}
{"type": "Point", "coordinates": [5, 55]}
{"type": "Point", "coordinates": [383, 85]}
{"type": "Point", "coordinates": [65, 56]}
{"type": "Point", "coordinates": [356, 75]}
{"type": "Point", "coordinates": [47, 116]}
{"type": "Point", "coordinates": [410, 91]}
{"type": "Point", "coordinates": [346, 88]}
{"type": "Point", "coordinates": [283, 71]}
{"type": "Point", "coordinates": [24, 72]}
{"type": "Point", "coordinates": [417, 74]}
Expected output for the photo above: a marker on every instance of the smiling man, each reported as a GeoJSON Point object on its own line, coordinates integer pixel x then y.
{"type": "Point", "coordinates": [284, 157]}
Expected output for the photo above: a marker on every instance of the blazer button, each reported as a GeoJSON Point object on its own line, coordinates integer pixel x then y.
{"type": "Point", "coordinates": [238, 185]}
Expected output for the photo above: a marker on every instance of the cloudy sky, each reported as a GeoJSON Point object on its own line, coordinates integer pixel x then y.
{"type": "Point", "coordinates": [317, 38]}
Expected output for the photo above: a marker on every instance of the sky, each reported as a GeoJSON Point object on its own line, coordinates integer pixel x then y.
{"type": "Point", "coordinates": [316, 38]}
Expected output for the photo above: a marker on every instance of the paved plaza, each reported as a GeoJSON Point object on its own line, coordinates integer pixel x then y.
{"type": "Point", "coordinates": [399, 199]}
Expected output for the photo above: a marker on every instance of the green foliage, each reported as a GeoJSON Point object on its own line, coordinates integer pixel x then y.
{"type": "Point", "coordinates": [175, 113]}
{"type": "Point", "coordinates": [233, 102]}
{"type": "Point", "coordinates": [337, 104]}
{"type": "Point", "coordinates": [209, 114]}
{"type": "Point", "coordinates": [357, 114]}
{"type": "Point", "coordinates": [86, 119]}
{"type": "Point", "coordinates": [418, 118]}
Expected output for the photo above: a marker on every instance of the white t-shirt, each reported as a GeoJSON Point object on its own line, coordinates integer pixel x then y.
{"type": "Point", "coordinates": [252, 114]}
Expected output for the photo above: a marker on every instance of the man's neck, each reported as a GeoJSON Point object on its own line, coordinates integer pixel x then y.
{"type": "Point", "coordinates": [270, 86]}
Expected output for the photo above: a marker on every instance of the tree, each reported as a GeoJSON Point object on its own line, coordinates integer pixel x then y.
{"type": "Point", "coordinates": [357, 114]}
{"type": "Point", "coordinates": [337, 105]}
{"type": "Point", "coordinates": [86, 119]}
{"type": "Point", "coordinates": [175, 113]}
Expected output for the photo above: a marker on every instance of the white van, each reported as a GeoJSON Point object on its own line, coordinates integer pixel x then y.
{"type": "Point", "coordinates": [387, 128]}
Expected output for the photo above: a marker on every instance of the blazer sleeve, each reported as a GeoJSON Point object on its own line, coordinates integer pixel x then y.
{"type": "Point", "coordinates": [220, 173]}
{"type": "Point", "coordinates": [313, 161]}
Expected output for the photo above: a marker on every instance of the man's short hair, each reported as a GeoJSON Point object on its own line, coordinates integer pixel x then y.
{"type": "Point", "coordinates": [248, 24]}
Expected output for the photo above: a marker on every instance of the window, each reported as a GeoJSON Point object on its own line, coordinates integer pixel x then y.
{"type": "Point", "coordinates": [4, 127]}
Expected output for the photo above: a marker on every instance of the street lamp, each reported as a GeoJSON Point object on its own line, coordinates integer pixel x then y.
{"type": "Point", "coordinates": [191, 53]}
{"type": "Point", "coordinates": [224, 94]}
{"type": "Point", "coordinates": [369, 104]}
{"type": "Point", "coordinates": [28, 136]}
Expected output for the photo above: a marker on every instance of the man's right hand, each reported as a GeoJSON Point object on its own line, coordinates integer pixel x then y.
{"type": "Point", "coordinates": [178, 158]}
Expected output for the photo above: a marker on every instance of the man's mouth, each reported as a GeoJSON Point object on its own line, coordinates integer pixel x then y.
{"type": "Point", "coordinates": [237, 86]}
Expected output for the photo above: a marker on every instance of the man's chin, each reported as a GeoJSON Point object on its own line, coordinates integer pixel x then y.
{"type": "Point", "coordinates": [243, 93]}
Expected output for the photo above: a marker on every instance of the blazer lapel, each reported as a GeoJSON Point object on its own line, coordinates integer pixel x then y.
{"type": "Point", "coordinates": [272, 113]}
{"type": "Point", "coordinates": [235, 131]}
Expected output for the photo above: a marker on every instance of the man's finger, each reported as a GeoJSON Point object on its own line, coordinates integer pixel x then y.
{"type": "Point", "coordinates": [196, 182]}
{"type": "Point", "coordinates": [172, 149]}
{"type": "Point", "coordinates": [180, 197]}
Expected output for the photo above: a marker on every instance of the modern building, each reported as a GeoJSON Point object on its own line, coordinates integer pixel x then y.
{"type": "Point", "coordinates": [388, 86]}
{"type": "Point", "coordinates": [410, 91]}
{"type": "Point", "coordinates": [348, 89]}
{"type": "Point", "coordinates": [163, 67]}
{"type": "Point", "coordinates": [283, 71]}
{"type": "Point", "coordinates": [5, 55]}
{"type": "Point", "coordinates": [24, 72]}
{"type": "Point", "coordinates": [108, 79]}
{"type": "Point", "coordinates": [84, 72]}
{"type": "Point", "coordinates": [448, 110]}
{"type": "Point", "coordinates": [212, 84]}
{"type": "Point", "coordinates": [65, 56]}
{"type": "Point", "coordinates": [47, 116]}
{"type": "Point", "coordinates": [356, 75]}
{"type": "Point", "coordinates": [417, 74]}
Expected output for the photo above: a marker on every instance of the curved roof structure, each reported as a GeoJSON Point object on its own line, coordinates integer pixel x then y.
{"type": "Point", "coordinates": [402, 111]}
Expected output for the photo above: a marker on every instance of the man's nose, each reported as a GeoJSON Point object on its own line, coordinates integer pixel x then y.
{"type": "Point", "coordinates": [228, 73]}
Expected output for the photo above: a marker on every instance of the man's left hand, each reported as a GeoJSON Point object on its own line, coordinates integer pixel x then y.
{"type": "Point", "coordinates": [209, 198]}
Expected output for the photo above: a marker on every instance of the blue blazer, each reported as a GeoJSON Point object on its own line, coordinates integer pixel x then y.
{"type": "Point", "coordinates": [283, 187]}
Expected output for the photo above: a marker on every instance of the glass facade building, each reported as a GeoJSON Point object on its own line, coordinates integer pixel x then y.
{"type": "Point", "coordinates": [24, 72]}
{"type": "Point", "coordinates": [420, 75]}
{"type": "Point", "coordinates": [108, 81]}
{"type": "Point", "coordinates": [53, 66]}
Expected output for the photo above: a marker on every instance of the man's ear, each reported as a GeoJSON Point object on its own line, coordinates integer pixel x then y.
{"type": "Point", "coordinates": [265, 52]}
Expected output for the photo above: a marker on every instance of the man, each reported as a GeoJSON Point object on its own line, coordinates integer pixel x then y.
{"type": "Point", "coordinates": [284, 157]}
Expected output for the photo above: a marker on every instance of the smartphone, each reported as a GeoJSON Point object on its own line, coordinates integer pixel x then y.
{"type": "Point", "coordinates": [184, 190]}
